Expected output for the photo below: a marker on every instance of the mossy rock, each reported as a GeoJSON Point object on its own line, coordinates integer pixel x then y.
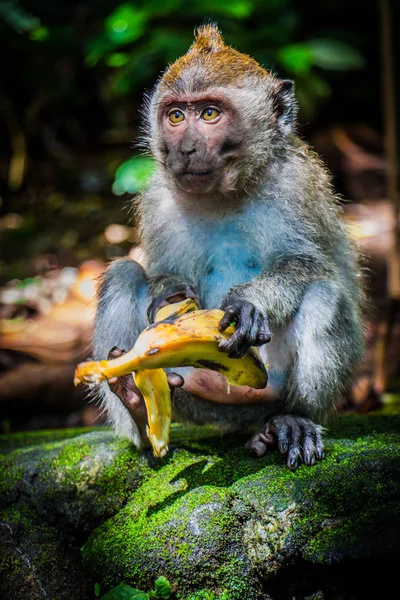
{"type": "Point", "coordinates": [218, 524]}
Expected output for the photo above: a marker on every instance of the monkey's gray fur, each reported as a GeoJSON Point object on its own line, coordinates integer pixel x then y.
{"type": "Point", "coordinates": [274, 238]}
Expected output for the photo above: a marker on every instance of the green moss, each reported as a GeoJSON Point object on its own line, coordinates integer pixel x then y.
{"type": "Point", "coordinates": [37, 557]}
{"type": "Point", "coordinates": [350, 485]}
{"type": "Point", "coordinates": [353, 426]}
{"type": "Point", "coordinates": [161, 522]}
{"type": "Point", "coordinates": [211, 519]}
{"type": "Point", "coordinates": [155, 525]}
{"type": "Point", "coordinates": [80, 480]}
{"type": "Point", "coordinates": [13, 441]}
{"type": "Point", "coordinates": [207, 595]}
{"type": "Point", "coordinates": [232, 576]}
{"type": "Point", "coordinates": [10, 476]}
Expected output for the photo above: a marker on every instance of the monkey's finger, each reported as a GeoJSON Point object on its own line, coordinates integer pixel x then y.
{"type": "Point", "coordinates": [259, 444]}
{"type": "Point", "coordinates": [246, 334]}
{"type": "Point", "coordinates": [127, 392]}
{"type": "Point", "coordinates": [187, 292]}
{"type": "Point", "coordinates": [115, 352]}
{"type": "Point", "coordinates": [293, 457]}
{"type": "Point", "coordinates": [175, 380]}
{"type": "Point", "coordinates": [319, 443]}
{"type": "Point", "coordinates": [309, 450]}
{"type": "Point", "coordinates": [236, 346]}
{"type": "Point", "coordinates": [231, 316]}
{"type": "Point", "coordinates": [294, 451]}
{"type": "Point", "coordinates": [120, 384]}
{"type": "Point", "coordinates": [240, 351]}
{"type": "Point", "coordinates": [252, 322]}
{"type": "Point", "coordinates": [264, 332]}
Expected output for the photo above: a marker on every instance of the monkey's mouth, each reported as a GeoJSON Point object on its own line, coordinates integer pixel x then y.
{"type": "Point", "coordinates": [195, 173]}
{"type": "Point", "coordinates": [197, 182]}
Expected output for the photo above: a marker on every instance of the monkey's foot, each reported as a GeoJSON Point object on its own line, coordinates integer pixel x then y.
{"type": "Point", "coordinates": [299, 438]}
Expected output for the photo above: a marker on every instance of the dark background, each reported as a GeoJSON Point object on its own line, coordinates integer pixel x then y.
{"type": "Point", "coordinates": [72, 79]}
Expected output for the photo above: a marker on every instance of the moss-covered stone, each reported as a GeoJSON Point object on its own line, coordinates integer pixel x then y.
{"type": "Point", "coordinates": [216, 523]}
{"type": "Point", "coordinates": [74, 483]}
{"type": "Point", "coordinates": [23, 439]}
{"type": "Point", "coordinates": [36, 560]}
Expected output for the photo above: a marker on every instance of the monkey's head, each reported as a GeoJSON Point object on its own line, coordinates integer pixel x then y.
{"type": "Point", "coordinates": [217, 118]}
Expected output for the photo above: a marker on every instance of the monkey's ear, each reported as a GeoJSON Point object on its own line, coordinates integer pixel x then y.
{"type": "Point", "coordinates": [285, 105]}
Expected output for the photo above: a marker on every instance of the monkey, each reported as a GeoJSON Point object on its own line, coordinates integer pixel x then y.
{"type": "Point", "coordinates": [240, 214]}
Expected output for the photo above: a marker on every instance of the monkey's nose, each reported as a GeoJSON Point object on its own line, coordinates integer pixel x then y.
{"type": "Point", "coordinates": [187, 151]}
{"type": "Point", "coordinates": [187, 146]}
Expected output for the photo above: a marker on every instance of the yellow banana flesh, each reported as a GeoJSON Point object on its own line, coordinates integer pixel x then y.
{"type": "Point", "coordinates": [181, 336]}
{"type": "Point", "coordinates": [154, 387]}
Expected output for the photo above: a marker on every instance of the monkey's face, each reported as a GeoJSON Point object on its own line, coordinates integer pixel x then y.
{"type": "Point", "coordinates": [201, 138]}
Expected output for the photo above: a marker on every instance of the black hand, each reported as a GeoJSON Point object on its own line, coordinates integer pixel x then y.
{"type": "Point", "coordinates": [177, 294]}
{"type": "Point", "coordinates": [252, 328]}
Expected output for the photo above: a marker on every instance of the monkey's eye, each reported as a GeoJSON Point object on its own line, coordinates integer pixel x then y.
{"type": "Point", "coordinates": [210, 113]}
{"type": "Point", "coordinates": [176, 116]}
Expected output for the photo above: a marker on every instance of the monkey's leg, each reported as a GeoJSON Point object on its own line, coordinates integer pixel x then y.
{"type": "Point", "coordinates": [123, 298]}
{"type": "Point", "coordinates": [327, 342]}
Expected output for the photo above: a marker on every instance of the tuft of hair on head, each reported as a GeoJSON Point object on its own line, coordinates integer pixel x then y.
{"type": "Point", "coordinates": [208, 38]}
{"type": "Point", "coordinates": [209, 62]}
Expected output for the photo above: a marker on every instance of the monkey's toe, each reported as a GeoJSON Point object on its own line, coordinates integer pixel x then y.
{"type": "Point", "coordinates": [299, 438]}
{"type": "Point", "coordinates": [260, 442]}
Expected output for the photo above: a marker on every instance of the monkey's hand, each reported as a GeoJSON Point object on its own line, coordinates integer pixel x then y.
{"type": "Point", "coordinates": [178, 294]}
{"type": "Point", "coordinates": [125, 388]}
{"type": "Point", "coordinates": [252, 328]}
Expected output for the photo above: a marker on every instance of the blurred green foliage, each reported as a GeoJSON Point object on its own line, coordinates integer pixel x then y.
{"type": "Point", "coordinates": [133, 175]}
{"type": "Point", "coordinates": [75, 73]}
{"type": "Point", "coordinates": [133, 41]}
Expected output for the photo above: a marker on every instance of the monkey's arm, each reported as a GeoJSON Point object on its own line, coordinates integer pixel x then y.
{"type": "Point", "coordinates": [167, 289]}
{"type": "Point", "coordinates": [273, 297]}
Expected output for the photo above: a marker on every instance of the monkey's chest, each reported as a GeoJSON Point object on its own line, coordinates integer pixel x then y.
{"type": "Point", "coordinates": [227, 265]}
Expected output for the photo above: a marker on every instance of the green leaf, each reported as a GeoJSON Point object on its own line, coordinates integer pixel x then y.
{"type": "Point", "coordinates": [17, 17]}
{"type": "Point", "coordinates": [155, 8]}
{"type": "Point", "coordinates": [97, 590]}
{"type": "Point", "coordinates": [39, 34]}
{"type": "Point", "coordinates": [96, 49]}
{"type": "Point", "coordinates": [162, 587]}
{"type": "Point", "coordinates": [125, 592]}
{"type": "Point", "coordinates": [335, 55]}
{"type": "Point", "coordinates": [310, 91]}
{"type": "Point", "coordinates": [133, 175]}
{"type": "Point", "coordinates": [117, 59]}
{"type": "Point", "coordinates": [126, 24]}
{"type": "Point", "coordinates": [296, 58]}
{"type": "Point", "coordinates": [238, 9]}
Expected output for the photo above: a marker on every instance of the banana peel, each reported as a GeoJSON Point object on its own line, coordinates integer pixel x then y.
{"type": "Point", "coordinates": [182, 335]}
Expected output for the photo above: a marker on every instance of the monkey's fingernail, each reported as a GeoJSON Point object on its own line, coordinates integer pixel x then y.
{"type": "Point", "coordinates": [309, 459]}
{"type": "Point", "coordinates": [112, 381]}
{"type": "Point", "coordinates": [175, 380]}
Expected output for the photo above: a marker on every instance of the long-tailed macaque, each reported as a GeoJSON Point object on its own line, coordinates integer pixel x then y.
{"type": "Point", "coordinates": [240, 214]}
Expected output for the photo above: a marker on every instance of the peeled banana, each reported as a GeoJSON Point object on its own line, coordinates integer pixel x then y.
{"type": "Point", "coordinates": [181, 336]}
